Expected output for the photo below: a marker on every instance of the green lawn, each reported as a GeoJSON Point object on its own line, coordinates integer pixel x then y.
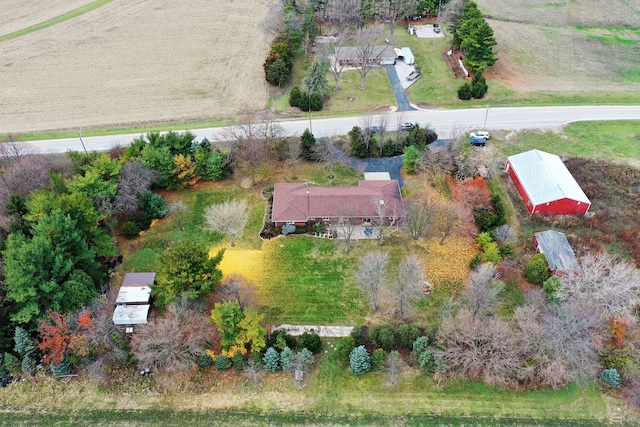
{"type": "Point", "coordinates": [334, 389]}
{"type": "Point", "coordinates": [309, 281]}
{"type": "Point", "coordinates": [611, 140]}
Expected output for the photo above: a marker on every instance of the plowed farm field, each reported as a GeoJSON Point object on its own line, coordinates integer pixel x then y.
{"type": "Point", "coordinates": [130, 63]}
{"type": "Point", "coordinates": [566, 46]}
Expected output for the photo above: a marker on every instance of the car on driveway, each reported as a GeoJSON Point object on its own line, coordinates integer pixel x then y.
{"type": "Point", "coordinates": [436, 28]}
{"type": "Point", "coordinates": [480, 134]}
{"type": "Point", "coordinates": [406, 126]}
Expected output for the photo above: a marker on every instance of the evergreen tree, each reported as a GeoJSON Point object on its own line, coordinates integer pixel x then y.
{"type": "Point", "coordinates": [222, 363]}
{"type": "Point", "coordinates": [359, 361]}
{"type": "Point", "coordinates": [307, 145]}
{"type": "Point", "coordinates": [271, 360]}
{"type": "Point", "coordinates": [358, 147]}
{"type": "Point", "coordinates": [286, 357]}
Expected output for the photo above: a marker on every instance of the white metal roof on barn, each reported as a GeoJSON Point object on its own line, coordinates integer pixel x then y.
{"type": "Point", "coordinates": [545, 178]}
{"type": "Point", "coordinates": [131, 314]}
{"type": "Point", "coordinates": [134, 295]}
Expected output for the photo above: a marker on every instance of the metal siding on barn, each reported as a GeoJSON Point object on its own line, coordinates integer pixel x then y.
{"type": "Point", "coordinates": [523, 194]}
{"type": "Point", "coordinates": [562, 207]}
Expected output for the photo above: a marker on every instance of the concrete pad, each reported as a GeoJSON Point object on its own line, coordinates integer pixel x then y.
{"type": "Point", "coordinates": [426, 32]}
{"type": "Point", "coordinates": [403, 69]}
{"type": "Point", "coordinates": [323, 331]}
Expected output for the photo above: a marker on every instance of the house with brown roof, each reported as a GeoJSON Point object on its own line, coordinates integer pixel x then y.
{"type": "Point", "coordinates": [353, 55]}
{"type": "Point", "coordinates": [302, 204]}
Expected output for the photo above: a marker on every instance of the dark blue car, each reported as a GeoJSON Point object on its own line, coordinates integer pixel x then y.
{"type": "Point", "coordinates": [478, 142]}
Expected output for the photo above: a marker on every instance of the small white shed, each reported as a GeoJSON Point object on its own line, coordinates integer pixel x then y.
{"type": "Point", "coordinates": [408, 56]}
{"type": "Point", "coordinates": [131, 314]}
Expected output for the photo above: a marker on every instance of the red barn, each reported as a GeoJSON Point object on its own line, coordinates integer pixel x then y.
{"type": "Point", "coordinates": [546, 185]}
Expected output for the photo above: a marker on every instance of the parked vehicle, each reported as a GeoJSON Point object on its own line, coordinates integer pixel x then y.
{"type": "Point", "coordinates": [374, 129]}
{"type": "Point", "coordinates": [406, 126]}
{"type": "Point", "coordinates": [436, 28]}
{"type": "Point", "coordinates": [413, 75]}
{"type": "Point", "coordinates": [480, 134]}
{"type": "Point", "coordinates": [478, 142]}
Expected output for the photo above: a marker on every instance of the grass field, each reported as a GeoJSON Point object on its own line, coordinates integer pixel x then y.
{"type": "Point", "coordinates": [567, 46]}
{"type": "Point", "coordinates": [617, 141]}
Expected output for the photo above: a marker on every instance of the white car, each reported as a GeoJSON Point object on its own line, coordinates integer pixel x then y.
{"type": "Point", "coordinates": [480, 134]}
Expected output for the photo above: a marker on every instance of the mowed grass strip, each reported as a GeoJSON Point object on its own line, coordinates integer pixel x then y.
{"type": "Point", "coordinates": [56, 20]}
{"type": "Point", "coordinates": [333, 388]}
{"type": "Point", "coordinates": [253, 418]}
{"type": "Point", "coordinates": [610, 140]}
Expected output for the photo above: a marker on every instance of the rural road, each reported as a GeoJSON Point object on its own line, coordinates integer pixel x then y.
{"type": "Point", "coordinates": [445, 122]}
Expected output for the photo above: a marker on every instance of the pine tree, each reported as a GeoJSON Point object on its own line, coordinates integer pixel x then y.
{"type": "Point", "coordinates": [26, 347]}
{"type": "Point", "coordinates": [286, 359]}
{"type": "Point", "coordinates": [359, 361]}
{"type": "Point", "coordinates": [222, 363]}
{"type": "Point", "coordinates": [307, 145]}
{"type": "Point", "coordinates": [271, 360]}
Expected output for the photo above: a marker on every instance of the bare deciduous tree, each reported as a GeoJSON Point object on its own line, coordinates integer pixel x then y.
{"type": "Point", "coordinates": [135, 179]}
{"type": "Point", "coordinates": [419, 216]}
{"type": "Point", "coordinates": [23, 174]}
{"type": "Point", "coordinates": [172, 343]}
{"type": "Point", "coordinates": [177, 210]}
{"type": "Point", "coordinates": [573, 329]}
{"type": "Point", "coordinates": [407, 286]}
{"type": "Point", "coordinates": [367, 50]}
{"type": "Point", "coordinates": [103, 337]}
{"type": "Point", "coordinates": [393, 368]}
{"type": "Point", "coordinates": [604, 282]}
{"type": "Point", "coordinates": [11, 149]}
{"type": "Point", "coordinates": [254, 369]}
{"type": "Point", "coordinates": [228, 218]}
{"type": "Point", "coordinates": [480, 349]}
{"type": "Point", "coordinates": [504, 234]}
{"type": "Point", "coordinates": [482, 292]}
{"type": "Point", "coordinates": [235, 287]}
{"type": "Point", "coordinates": [387, 217]}
{"type": "Point", "coordinates": [398, 8]}
{"type": "Point", "coordinates": [324, 154]}
{"type": "Point", "coordinates": [447, 218]}
{"type": "Point", "coordinates": [346, 226]}
{"type": "Point", "coordinates": [332, 52]}
{"type": "Point", "coordinates": [345, 13]}
{"type": "Point", "coordinates": [372, 274]}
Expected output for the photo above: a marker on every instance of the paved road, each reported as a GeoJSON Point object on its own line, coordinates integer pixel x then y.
{"type": "Point", "coordinates": [447, 123]}
{"type": "Point", "coordinates": [398, 90]}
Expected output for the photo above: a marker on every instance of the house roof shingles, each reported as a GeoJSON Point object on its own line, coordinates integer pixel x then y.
{"type": "Point", "coordinates": [545, 178]}
{"type": "Point", "coordinates": [298, 202]}
{"type": "Point", "coordinates": [351, 53]}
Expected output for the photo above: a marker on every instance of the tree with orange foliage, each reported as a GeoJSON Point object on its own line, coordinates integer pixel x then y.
{"type": "Point", "coordinates": [618, 328]}
{"type": "Point", "coordinates": [55, 335]}
{"type": "Point", "coordinates": [59, 336]}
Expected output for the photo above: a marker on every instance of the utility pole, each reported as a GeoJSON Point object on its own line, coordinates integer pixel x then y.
{"type": "Point", "coordinates": [81, 141]}
{"type": "Point", "coordinates": [485, 118]}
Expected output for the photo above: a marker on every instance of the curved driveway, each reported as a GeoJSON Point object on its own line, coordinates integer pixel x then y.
{"type": "Point", "coordinates": [446, 123]}
{"type": "Point", "coordinates": [381, 164]}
